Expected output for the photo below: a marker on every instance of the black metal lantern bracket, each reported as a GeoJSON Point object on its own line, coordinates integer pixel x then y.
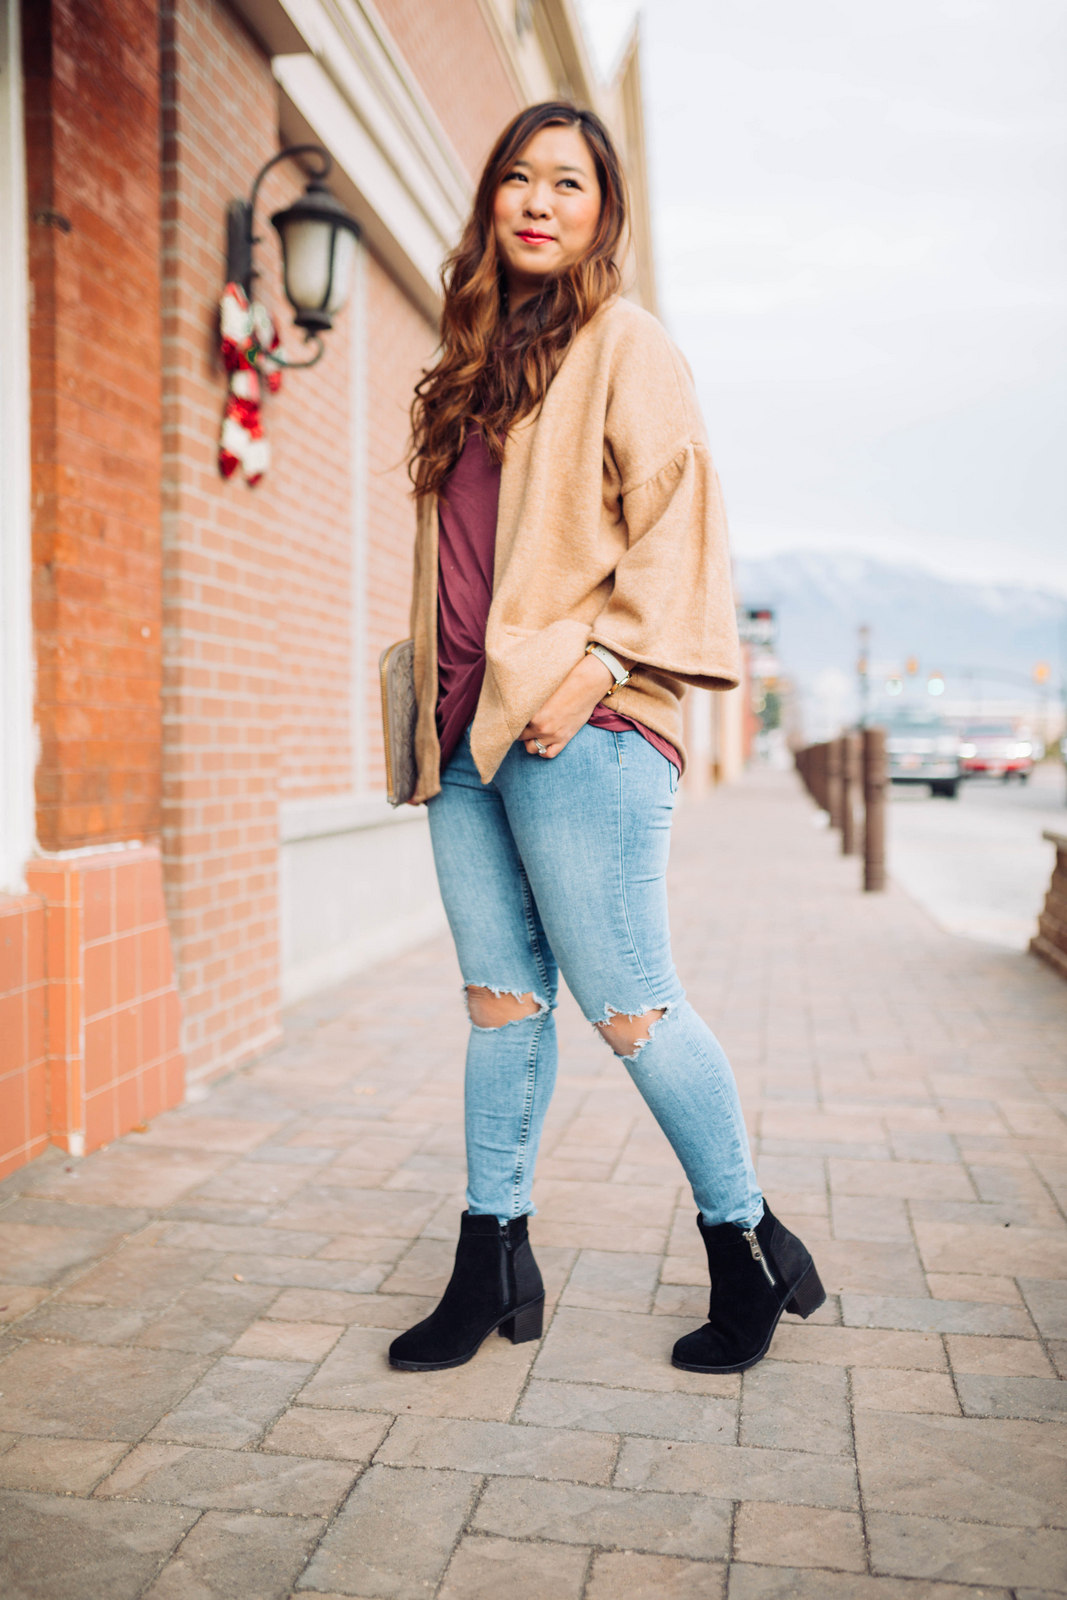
{"type": "Point", "coordinates": [241, 239]}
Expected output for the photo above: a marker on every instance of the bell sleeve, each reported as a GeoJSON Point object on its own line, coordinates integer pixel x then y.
{"type": "Point", "coordinates": [671, 607]}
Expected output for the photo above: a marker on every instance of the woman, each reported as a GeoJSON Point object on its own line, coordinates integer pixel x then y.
{"type": "Point", "coordinates": [571, 575]}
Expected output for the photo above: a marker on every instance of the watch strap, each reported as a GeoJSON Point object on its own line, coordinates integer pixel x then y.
{"type": "Point", "coordinates": [613, 664]}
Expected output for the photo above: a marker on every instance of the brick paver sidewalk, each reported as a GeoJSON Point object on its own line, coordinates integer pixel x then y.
{"type": "Point", "coordinates": [195, 1397]}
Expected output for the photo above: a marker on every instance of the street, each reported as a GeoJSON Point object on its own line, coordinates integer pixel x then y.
{"type": "Point", "coordinates": [979, 865]}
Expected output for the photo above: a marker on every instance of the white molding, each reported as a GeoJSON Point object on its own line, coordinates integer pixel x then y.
{"type": "Point", "coordinates": [345, 83]}
{"type": "Point", "coordinates": [18, 747]}
{"type": "Point", "coordinates": [405, 228]}
{"type": "Point", "coordinates": [346, 813]}
{"type": "Point", "coordinates": [357, 458]}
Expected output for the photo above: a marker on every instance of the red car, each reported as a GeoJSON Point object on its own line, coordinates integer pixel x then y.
{"type": "Point", "coordinates": [999, 750]}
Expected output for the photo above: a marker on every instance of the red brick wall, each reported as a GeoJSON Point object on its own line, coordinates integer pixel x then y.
{"type": "Point", "coordinates": [92, 115]}
{"type": "Point", "coordinates": [452, 53]}
{"type": "Point", "coordinates": [259, 666]}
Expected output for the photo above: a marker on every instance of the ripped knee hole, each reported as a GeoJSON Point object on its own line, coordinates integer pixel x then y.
{"type": "Point", "coordinates": [494, 1008]}
{"type": "Point", "coordinates": [627, 1035]}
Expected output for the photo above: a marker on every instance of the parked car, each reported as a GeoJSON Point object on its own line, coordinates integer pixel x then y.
{"type": "Point", "coordinates": [998, 749]}
{"type": "Point", "coordinates": [921, 748]}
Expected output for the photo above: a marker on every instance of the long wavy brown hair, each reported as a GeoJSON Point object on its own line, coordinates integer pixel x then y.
{"type": "Point", "coordinates": [493, 369]}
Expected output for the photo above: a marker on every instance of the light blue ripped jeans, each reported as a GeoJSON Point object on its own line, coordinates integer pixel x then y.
{"type": "Point", "coordinates": [564, 861]}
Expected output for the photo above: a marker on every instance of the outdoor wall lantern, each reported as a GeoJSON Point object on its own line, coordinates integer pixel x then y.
{"type": "Point", "coordinates": [318, 240]}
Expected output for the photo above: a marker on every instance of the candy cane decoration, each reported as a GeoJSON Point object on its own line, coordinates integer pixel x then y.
{"type": "Point", "coordinates": [247, 335]}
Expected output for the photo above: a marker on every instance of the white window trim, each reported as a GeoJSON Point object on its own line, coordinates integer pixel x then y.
{"type": "Point", "coordinates": [346, 85]}
{"type": "Point", "coordinates": [17, 737]}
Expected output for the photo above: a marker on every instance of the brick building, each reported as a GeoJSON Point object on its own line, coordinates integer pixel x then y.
{"type": "Point", "coordinates": [192, 824]}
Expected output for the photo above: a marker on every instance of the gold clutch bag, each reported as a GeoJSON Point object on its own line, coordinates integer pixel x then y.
{"type": "Point", "coordinates": [397, 668]}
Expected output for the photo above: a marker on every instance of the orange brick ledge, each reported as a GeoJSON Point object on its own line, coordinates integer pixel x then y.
{"type": "Point", "coordinates": [90, 1019]}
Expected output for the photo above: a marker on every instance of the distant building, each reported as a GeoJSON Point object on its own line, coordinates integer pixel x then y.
{"type": "Point", "coordinates": [192, 822]}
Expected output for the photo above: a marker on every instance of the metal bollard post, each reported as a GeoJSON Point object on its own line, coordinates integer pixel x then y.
{"type": "Point", "coordinates": [850, 775]}
{"type": "Point", "coordinates": [834, 797]}
{"type": "Point", "coordinates": [874, 791]}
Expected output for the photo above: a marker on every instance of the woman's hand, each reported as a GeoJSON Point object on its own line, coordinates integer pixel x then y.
{"type": "Point", "coordinates": [568, 709]}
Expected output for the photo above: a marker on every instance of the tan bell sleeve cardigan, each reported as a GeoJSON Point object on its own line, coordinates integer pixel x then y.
{"type": "Point", "coordinates": [611, 529]}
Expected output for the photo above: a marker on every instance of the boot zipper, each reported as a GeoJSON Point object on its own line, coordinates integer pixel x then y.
{"type": "Point", "coordinates": [757, 1254]}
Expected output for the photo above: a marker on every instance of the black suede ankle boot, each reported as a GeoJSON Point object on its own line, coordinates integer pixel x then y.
{"type": "Point", "coordinates": [495, 1283]}
{"type": "Point", "coordinates": [756, 1274]}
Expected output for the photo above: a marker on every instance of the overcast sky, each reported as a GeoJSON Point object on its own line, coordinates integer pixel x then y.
{"type": "Point", "coordinates": [860, 212]}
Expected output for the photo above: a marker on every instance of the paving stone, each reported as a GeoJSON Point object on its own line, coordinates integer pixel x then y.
{"type": "Point", "coordinates": [347, 1275]}
{"type": "Point", "coordinates": [230, 1554]}
{"type": "Point", "coordinates": [424, 1270]}
{"type": "Point", "coordinates": [108, 1221]}
{"type": "Point", "coordinates": [356, 1375]}
{"type": "Point", "coordinates": [791, 1406]}
{"type": "Point", "coordinates": [857, 1347]}
{"type": "Point", "coordinates": [83, 1549]}
{"type": "Point", "coordinates": [902, 1180]}
{"type": "Point", "coordinates": [965, 1552]}
{"type": "Point", "coordinates": [377, 1211]}
{"type": "Point", "coordinates": [249, 1241]}
{"type": "Point", "coordinates": [124, 1175]}
{"type": "Point", "coordinates": [231, 1480]}
{"type": "Point", "coordinates": [975, 1470]}
{"type": "Point", "coordinates": [609, 1280]}
{"type": "Point", "coordinates": [1044, 1399]}
{"type": "Point", "coordinates": [366, 1310]}
{"type": "Point", "coordinates": [1011, 1252]}
{"type": "Point", "coordinates": [668, 1524]}
{"type": "Point", "coordinates": [484, 1568]}
{"type": "Point", "coordinates": [395, 1534]}
{"type": "Point", "coordinates": [334, 1435]}
{"type": "Point", "coordinates": [998, 1357]}
{"type": "Point", "coordinates": [933, 1316]}
{"type": "Point", "coordinates": [799, 1536]}
{"type": "Point", "coordinates": [869, 1266]}
{"type": "Point", "coordinates": [1046, 1300]}
{"type": "Point", "coordinates": [32, 1254]}
{"type": "Point", "coordinates": [254, 1183]}
{"type": "Point", "coordinates": [877, 1390]}
{"type": "Point", "coordinates": [233, 1402]}
{"type": "Point", "coordinates": [793, 1583]}
{"type": "Point", "coordinates": [84, 1324]}
{"type": "Point", "coordinates": [609, 1346]}
{"type": "Point", "coordinates": [188, 1131]}
{"type": "Point", "coordinates": [500, 1448]}
{"type": "Point", "coordinates": [630, 1411]}
{"type": "Point", "coordinates": [144, 1276]}
{"type": "Point", "coordinates": [86, 1391]}
{"type": "Point", "coordinates": [207, 1318]}
{"type": "Point", "coordinates": [16, 1299]}
{"type": "Point", "coordinates": [57, 1466]}
{"type": "Point", "coordinates": [618, 1573]}
{"type": "Point", "coordinates": [296, 1341]}
{"type": "Point", "coordinates": [867, 1217]}
{"type": "Point", "coordinates": [733, 1472]}
{"type": "Point", "coordinates": [628, 1237]}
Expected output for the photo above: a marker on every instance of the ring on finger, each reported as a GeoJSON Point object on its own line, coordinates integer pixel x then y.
{"type": "Point", "coordinates": [541, 751]}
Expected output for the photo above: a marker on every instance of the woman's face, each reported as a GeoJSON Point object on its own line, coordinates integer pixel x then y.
{"type": "Point", "coordinates": [546, 210]}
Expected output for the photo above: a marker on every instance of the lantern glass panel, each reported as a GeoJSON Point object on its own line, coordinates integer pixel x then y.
{"type": "Point", "coordinates": [312, 247]}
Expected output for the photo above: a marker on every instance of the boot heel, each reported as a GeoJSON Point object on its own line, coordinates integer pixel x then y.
{"type": "Point", "coordinates": [525, 1324]}
{"type": "Point", "coordinates": [808, 1295]}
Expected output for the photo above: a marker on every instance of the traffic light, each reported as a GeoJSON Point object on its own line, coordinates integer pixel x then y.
{"type": "Point", "coordinates": [1042, 672]}
{"type": "Point", "coordinates": [911, 666]}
